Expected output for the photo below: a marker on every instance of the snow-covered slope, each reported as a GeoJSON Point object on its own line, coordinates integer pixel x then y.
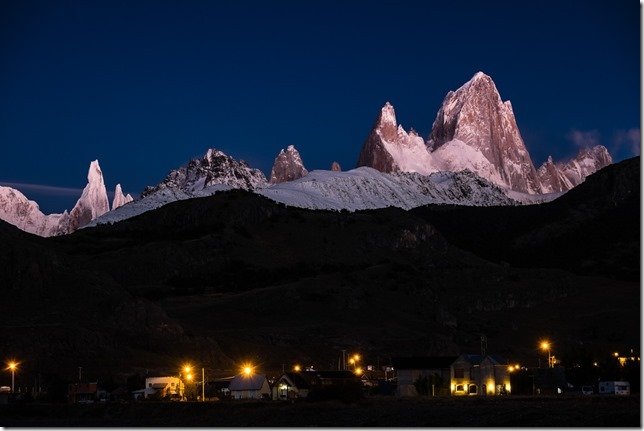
{"type": "Point", "coordinates": [25, 214]}
{"type": "Point", "coordinates": [367, 188]}
{"type": "Point", "coordinates": [357, 189]}
{"type": "Point", "coordinates": [213, 168]}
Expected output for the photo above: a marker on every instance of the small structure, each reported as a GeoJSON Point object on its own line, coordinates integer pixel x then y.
{"type": "Point", "coordinates": [218, 388]}
{"type": "Point", "coordinates": [293, 385]}
{"type": "Point", "coordinates": [480, 375]}
{"type": "Point", "coordinates": [253, 386]}
{"type": "Point", "coordinates": [82, 392]}
{"type": "Point", "coordinates": [162, 387]}
{"type": "Point", "coordinates": [430, 373]}
{"type": "Point", "coordinates": [614, 388]}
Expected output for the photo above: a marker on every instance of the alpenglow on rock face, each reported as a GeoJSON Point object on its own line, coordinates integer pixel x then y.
{"type": "Point", "coordinates": [119, 198]}
{"type": "Point", "coordinates": [389, 148]}
{"type": "Point", "coordinates": [288, 166]}
{"type": "Point", "coordinates": [214, 168]}
{"type": "Point", "coordinates": [474, 130]}
{"type": "Point", "coordinates": [562, 176]}
{"type": "Point", "coordinates": [93, 202]}
{"type": "Point", "coordinates": [476, 116]}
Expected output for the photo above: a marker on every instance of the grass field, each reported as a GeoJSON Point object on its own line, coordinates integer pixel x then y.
{"type": "Point", "coordinates": [592, 411]}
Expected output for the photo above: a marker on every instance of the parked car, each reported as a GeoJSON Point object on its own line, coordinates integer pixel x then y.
{"type": "Point", "coordinates": [587, 390]}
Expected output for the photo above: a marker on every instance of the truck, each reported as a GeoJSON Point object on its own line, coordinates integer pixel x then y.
{"type": "Point", "coordinates": [614, 388]}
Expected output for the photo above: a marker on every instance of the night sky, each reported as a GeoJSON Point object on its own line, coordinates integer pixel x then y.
{"type": "Point", "coordinates": [144, 86]}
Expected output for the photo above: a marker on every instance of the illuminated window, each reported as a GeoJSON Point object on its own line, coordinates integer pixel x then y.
{"type": "Point", "coordinates": [473, 390]}
{"type": "Point", "coordinates": [460, 388]}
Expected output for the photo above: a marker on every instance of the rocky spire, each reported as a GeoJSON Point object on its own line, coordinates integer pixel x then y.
{"type": "Point", "coordinates": [475, 115]}
{"type": "Point", "coordinates": [93, 202]}
{"type": "Point", "coordinates": [335, 167]}
{"type": "Point", "coordinates": [288, 166]}
{"type": "Point", "coordinates": [119, 198]}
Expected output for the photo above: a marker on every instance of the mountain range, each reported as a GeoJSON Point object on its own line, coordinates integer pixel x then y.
{"type": "Point", "coordinates": [474, 155]}
{"type": "Point", "coordinates": [236, 276]}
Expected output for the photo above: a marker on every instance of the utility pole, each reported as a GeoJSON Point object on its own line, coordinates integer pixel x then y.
{"type": "Point", "coordinates": [203, 385]}
{"type": "Point", "coordinates": [80, 374]}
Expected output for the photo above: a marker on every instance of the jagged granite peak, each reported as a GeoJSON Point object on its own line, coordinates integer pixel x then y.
{"type": "Point", "coordinates": [288, 166]}
{"type": "Point", "coordinates": [93, 202]}
{"type": "Point", "coordinates": [214, 168]}
{"type": "Point", "coordinates": [475, 115]}
{"type": "Point", "coordinates": [119, 198]}
{"type": "Point", "coordinates": [563, 176]}
{"type": "Point", "coordinates": [389, 148]}
{"type": "Point", "coordinates": [25, 214]}
{"type": "Point", "coordinates": [335, 167]}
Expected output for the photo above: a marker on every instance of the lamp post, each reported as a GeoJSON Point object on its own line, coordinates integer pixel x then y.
{"type": "Point", "coordinates": [545, 345]}
{"type": "Point", "coordinates": [12, 367]}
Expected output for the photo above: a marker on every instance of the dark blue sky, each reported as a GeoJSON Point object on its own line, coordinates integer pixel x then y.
{"type": "Point", "coordinates": [144, 86]}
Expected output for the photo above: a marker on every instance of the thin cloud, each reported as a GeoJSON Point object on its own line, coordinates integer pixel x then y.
{"type": "Point", "coordinates": [44, 189]}
{"type": "Point", "coordinates": [584, 138]}
{"type": "Point", "coordinates": [629, 141]}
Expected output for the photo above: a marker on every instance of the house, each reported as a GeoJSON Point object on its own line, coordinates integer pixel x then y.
{"type": "Point", "coordinates": [82, 392]}
{"type": "Point", "coordinates": [293, 385]}
{"type": "Point", "coordinates": [218, 388]}
{"type": "Point", "coordinates": [162, 387]}
{"type": "Point", "coordinates": [253, 386]}
{"type": "Point", "coordinates": [614, 388]}
{"type": "Point", "coordinates": [434, 372]}
{"type": "Point", "coordinates": [480, 375]}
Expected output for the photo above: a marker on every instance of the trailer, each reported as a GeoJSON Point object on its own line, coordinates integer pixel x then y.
{"type": "Point", "coordinates": [614, 388]}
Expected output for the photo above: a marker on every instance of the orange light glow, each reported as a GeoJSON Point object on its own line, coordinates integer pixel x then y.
{"type": "Point", "coordinates": [247, 369]}
{"type": "Point", "coordinates": [297, 368]}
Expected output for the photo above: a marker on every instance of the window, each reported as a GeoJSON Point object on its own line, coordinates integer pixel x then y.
{"type": "Point", "coordinates": [473, 390]}
{"type": "Point", "coordinates": [459, 373]}
{"type": "Point", "coordinates": [172, 384]}
{"type": "Point", "coordinates": [460, 388]}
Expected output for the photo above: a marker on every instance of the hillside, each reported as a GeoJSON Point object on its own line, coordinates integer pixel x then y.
{"type": "Point", "coordinates": [235, 276]}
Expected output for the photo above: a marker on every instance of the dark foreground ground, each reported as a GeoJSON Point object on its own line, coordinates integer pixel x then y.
{"type": "Point", "coordinates": [514, 411]}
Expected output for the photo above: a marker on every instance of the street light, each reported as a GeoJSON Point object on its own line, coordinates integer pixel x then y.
{"type": "Point", "coordinates": [545, 345]}
{"type": "Point", "coordinates": [12, 366]}
{"type": "Point", "coordinates": [247, 369]}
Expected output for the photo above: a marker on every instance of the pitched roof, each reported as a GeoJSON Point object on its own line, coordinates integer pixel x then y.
{"type": "Point", "coordinates": [423, 362]}
{"type": "Point", "coordinates": [333, 374]}
{"type": "Point", "coordinates": [242, 382]}
{"type": "Point", "coordinates": [300, 380]}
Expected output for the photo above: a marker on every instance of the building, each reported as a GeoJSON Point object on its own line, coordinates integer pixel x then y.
{"type": "Point", "coordinates": [614, 388]}
{"type": "Point", "coordinates": [254, 386]}
{"type": "Point", "coordinates": [162, 387]}
{"type": "Point", "coordinates": [82, 392]}
{"type": "Point", "coordinates": [432, 374]}
{"type": "Point", "coordinates": [480, 375]}
{"type": "Point", "coordinates": [218, 388]}
{"type": "Point", "coordinates": [293, 386]}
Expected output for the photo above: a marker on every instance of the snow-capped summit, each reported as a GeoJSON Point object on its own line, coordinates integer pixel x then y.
{"type": "Point", "coordinates": [25, 214]}
{"type": "Point", "coordinates": [215, 167]}
{"type": "Point", "coordinates": [474, 116]}
{"type": "Point", "coordinates": [562, 176]}
{"type": "Point", "coordinates": [288, 166]}
{"type": "Point", "coordinates": [389, 148]}
{"type": "Point", "coordinates": [93, 202]}
{"type": "Point", "coordinates": [119, 198]}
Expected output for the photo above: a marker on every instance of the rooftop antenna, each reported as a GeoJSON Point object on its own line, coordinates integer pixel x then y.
{"type": "Point", "coordinates": [483, 344]}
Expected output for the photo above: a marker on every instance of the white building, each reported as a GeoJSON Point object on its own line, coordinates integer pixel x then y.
{"type": "Point", "coordinates": [614, 388]}
{"type": "Point", "coordinates": [165, 386]}
{"type": "Point", "coordinates": [254, 386]}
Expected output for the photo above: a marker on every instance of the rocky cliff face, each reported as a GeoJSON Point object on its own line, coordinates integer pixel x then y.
{"type": "Point", "coordinates": [389, 148]}
{"type": "Point", "coordinates": [475, 115]}
{"type": "Point", "coordinates": [16, 209]}
{"type": "Point", "coordinates": [563, 176]}
{"type": "Point", "coordinates": [119, 198]}
{"type": "Point", "coordinates": [288, 166]}
{"type": "Point", "coordinates": [214, 168]}
{"type": "Point", "coordinates": [93, 202]}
